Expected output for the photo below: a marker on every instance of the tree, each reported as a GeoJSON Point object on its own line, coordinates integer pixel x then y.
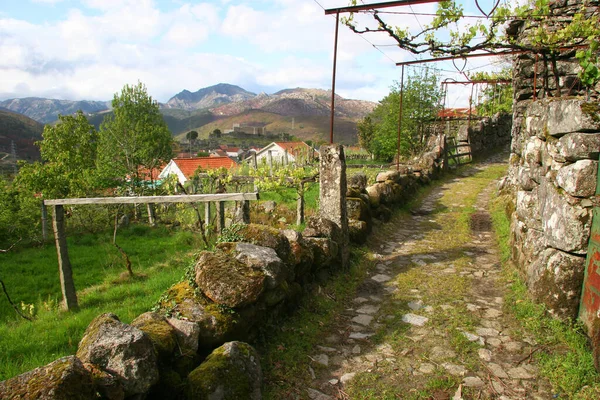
{"type": "Point", "coordinates": [494, 98]}
{"type": "Point", "coordinates": [191, 136]}
{"type": "Point", "coordinates": [421, 103]}
{"type": "Point", "coordinates": [135, 137]}
{"type": "Point", "coordinates": [68, 152]}
{"type": "Point", "coordinates": [366, 133]}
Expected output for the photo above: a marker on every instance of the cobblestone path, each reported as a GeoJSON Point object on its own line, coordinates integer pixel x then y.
{"type": "Point", "coordinates": [428, 321]}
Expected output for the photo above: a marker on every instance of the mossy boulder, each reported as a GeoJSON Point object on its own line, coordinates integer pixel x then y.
{"type": "Point", "coordinates": [387, 176]}
{"type": "Point", "coordinates": [63, 379]}
{"type": "Point", "coordinates": [325, 251]}
{"type": "Point", "coordinates": [107, 384]}
{"type": "Point", "coordinates": [122, 350]}
{"type": "Point", "coordinates": [358, 182]}
{"type": "Point", "coordinates": [266, 236]}
{"type": "Point", "coordinates": [301, 254]}
{"type": "Point", "coordinates": [231, 372]}
{"type": "Point", "coordinates": [227, 281]}
{"type": "Point", "coordinates": [264, 259]}
{"type": "Point", "coordinates": [358, 209]}
{"type": "Point", "coordinates": [358, 231]}
{"type": "Point", "coordinates": [378, 193]}
{"type": "Point", "coordinates": [160, 332]}
{"type": "Point", "coordinates": [187, 335]}
{"type": "Point", "coordinates": [319, 227]}
{"type": "Point", "coordinates": [382, 213]}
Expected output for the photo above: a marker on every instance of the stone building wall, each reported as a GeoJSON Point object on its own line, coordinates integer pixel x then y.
{"type": "Point", "coordinates": [552, 173]}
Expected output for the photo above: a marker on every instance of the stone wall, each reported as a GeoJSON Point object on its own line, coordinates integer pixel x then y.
{"type": "Point", "coordinates": [552, 173]}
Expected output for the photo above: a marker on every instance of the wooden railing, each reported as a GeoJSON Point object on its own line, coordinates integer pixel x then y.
{"type": "Point", "coordinates": [58, 224]}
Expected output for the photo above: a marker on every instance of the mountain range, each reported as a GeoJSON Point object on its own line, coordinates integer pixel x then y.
{"type": "Point", "coordinates": [220, 106]}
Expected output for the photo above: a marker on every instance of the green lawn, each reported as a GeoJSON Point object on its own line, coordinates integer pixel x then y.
{"type": "Point", "coordinates": [159, 258]}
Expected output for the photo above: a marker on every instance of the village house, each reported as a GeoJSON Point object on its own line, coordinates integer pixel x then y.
{"type": "Point", "coordinates": [185, 168]}
{"type": "Point", "coordinates": [279, 151]}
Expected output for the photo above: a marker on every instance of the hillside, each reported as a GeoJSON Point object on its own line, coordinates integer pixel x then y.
{"type": "Point", "coordinates": [23, 132]}
{"type": "Point", "coordinates": [47, 110]}
{"type": "Point", "coordinates": [305, 127]}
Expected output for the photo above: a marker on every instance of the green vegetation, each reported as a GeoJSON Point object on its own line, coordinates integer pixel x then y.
{"type": "Point", "coordinates": [562, 351]}
{"type": "Point", "coordinates": [159, 257]}
{"type": "Point", "coordinates": [421, 101]}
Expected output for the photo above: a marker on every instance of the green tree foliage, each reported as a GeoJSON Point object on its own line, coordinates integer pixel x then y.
{"type": "Point", "coordinates": [366, 132]}
{"type": "Point", "coordinates": [135, 137]}
{"type": "Point", "coordinates": [494, 98]}
{"type": "Point", "coordinates": [68, 152]}
{"type": "Point", "coordinates": [191, 135]}
{"type": "Point", "coordinates": [421, 102]}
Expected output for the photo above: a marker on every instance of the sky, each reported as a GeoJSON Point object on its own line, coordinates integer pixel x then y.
{"type": "Point", "coordinates": [89, 49]}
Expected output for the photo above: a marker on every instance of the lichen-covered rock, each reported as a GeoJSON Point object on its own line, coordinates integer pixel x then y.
{"type": "Point", "coordinates": [231, 372]}
{"type": "Point", "coordinates": [579, 179]}
{"type": "Point", "coordinates": [358, 231]}
{"type": "Point", "coordinates": [555, 279]}
{"type": "Point", "coordinates": [377, 192]}
{"type": "Point", "coordinates": [63, 379]}
{"type": "Point", "coordinates": [358, 209]}
{"type": "Point", "coordinates": [387, 176]}
{"type": "Point", "coordinates": [572, 115]}
{"type": "Point", "coordinates": [325, 251]}
{"type": "Point", "coordinates": [160, 332]}
{"type": "Point", "coordinates": [266, 236]}
{"type": "Point", "coordinates": [323, 228]}
{"type": "Point", "coordinates": [227, 281]}
{"type": "Point", "coordinates": [566, 226]}
{"type": "Point", "coordinates": [264, 259]}
{"type": "Point", "coordinates": [358, 182]}
{"type": "Point", "coordinates": [579, 146]}
{"type": "Point", "coordinates": [187, 334]}
{"type": "Point", "coordinates": [301, 255]}
{"type": "Point", "coordinates": [122, 350]}
{"type": "Point", "coordinates": [107, 384]}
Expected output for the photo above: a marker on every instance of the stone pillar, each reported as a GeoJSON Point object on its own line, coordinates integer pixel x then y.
{"type": "Point", "coordinates": [332, 193]}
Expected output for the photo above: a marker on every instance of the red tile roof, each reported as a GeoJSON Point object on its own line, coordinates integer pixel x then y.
{"type": "Point", "coordinates": [150, 175]}
{"type": "Point", "coordinates": [189, 165]}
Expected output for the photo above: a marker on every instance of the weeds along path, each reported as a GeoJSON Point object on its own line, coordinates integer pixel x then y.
{"type": "Point", "coordinates": [427, 321]}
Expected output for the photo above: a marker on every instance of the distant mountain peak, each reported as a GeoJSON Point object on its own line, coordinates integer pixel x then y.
{"type": "Point", "coordinates": [208, 97]}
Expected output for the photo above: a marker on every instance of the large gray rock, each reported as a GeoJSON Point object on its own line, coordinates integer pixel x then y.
{"type": "Point", "coordinates": [528, 208]}
{"type": "Point", "coordinates": [387, 176]}
{"type": "Point", "coordinates": [228, 281]}
{"type": "Point", "coordinates": [378, 193]}
{"type": "Point", "coordinates": [555, 279]}
{"type": "Point", "coordinates": [573, 115]}
{"type": "Point", "coordinates": [266, 236]}
{"type": "Point", "coordinates": [122, 350]}
{"type": "Point", "coordinates": [187, 334]}
{"type": "Point", "coordinates": [63, 379]}
{"type": "Point", "coordinates": [264, 259]}
{"type": "Point", "coordinates": [230, 372]}
{"type": "Point", "coordinates": [579, 179]}
{"type": "Point", "coordinates": [566, 227]}
{"type": "Point", "coordinates": [323, 228]}
{"type": "Point", "coordinates": [358, 209]}
{"type": "Point", "coordinates": [325, 251]}
{"type": "Point", "coordinates": [359, 232]}
{"type": "Point", "coordinates": [579, 146]}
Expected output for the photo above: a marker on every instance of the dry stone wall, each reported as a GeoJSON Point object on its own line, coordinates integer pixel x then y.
{"type": "Point", "coordinates": [553, 172]}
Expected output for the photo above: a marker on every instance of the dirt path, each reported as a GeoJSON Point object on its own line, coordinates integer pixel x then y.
{"type": "Point", "coordinates": [428, 321]}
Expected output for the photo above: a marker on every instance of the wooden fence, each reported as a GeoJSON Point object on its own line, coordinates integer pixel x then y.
{"type": "Point", "coordinates": [58, 223]}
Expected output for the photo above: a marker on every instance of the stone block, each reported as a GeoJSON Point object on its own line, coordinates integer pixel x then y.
{"type": "Point", "coordinates": [579, 179]}
{"type": "Point", "coordinates": [572, 115]}
{"type": "Point", "coordinates": [556, 279]}
{"type": "Point", "coordinates": [566, 226]}
{"type": "Point", "coordinates": [579, 146]}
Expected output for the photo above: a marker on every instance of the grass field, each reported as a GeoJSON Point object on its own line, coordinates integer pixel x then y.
{"type": "Point", "coordinates": [159, 257]}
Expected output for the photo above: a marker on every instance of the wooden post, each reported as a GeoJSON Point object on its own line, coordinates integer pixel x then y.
{"type": "Point", "coordinates": [285, 158]}
{"type": "Point", "coordinates": [64, 264]}
{"type": "Point", "coordinates": [300, 206]}
{"type": "Point", "coordinates": [254, 161]}
{"type": "Point", "coordinates": [207, 216]}
{"type": "Point", "coordinates": [220, 216]}
{"type": "Point", "coordinates": [151, 214]}
{"type": "Point", "coordinates": [44, 222]}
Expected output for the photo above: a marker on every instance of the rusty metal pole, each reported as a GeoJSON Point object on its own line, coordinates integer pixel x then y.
{"type": "Point", "coordinates": [335, 45]}
{"type": "Point", "coordinates": [535, 71]}
{"type": "Point", "coordinates": [471, 103]}
{"type": "Point", "coordinates": [400, 118]}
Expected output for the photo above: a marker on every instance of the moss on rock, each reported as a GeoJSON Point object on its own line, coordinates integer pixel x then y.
{"type": "Point", "coordinates": [161, 333]}
{"type": "Point", "coordinates": [230, 372]}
